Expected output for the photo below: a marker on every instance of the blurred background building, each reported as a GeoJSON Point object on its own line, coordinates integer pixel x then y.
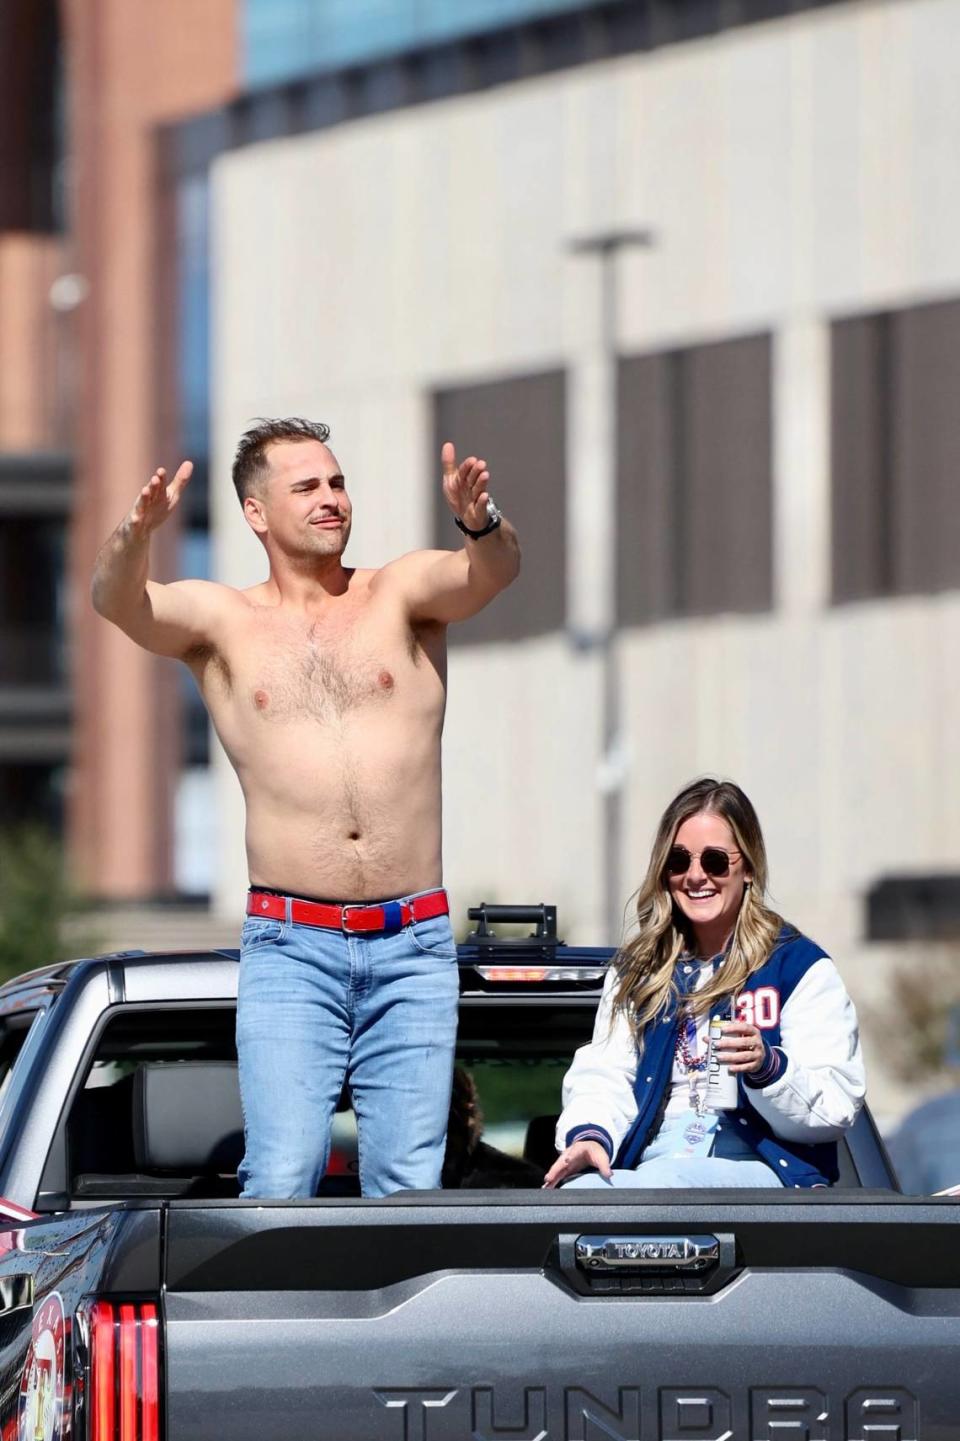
{"type": "Point", "coordinates": [687, 274]}
{"type": "Point", "coordinates": [93, 734]}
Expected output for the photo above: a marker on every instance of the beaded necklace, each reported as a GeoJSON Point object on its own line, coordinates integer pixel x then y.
{"type": "Point", "coordinates": [688, 1055]}
{"type": "Point", "coordinates": [691, 1061]}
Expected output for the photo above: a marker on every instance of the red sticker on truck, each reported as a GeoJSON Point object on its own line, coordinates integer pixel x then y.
{"type": "Point", "coordinates": [41, 1385]}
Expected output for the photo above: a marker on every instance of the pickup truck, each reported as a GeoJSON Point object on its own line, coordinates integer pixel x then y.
{"type": "Point", "coordinates": [140, 1299]}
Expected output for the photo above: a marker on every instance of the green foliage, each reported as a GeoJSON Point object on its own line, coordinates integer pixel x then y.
{"type": "Point", "coordinates": [36, 902]}
{"type": "Point", "coordinates": [519, 1089]}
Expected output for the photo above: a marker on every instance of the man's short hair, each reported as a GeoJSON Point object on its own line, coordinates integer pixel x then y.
{"type": "Point", "coordinates": [250, 463]}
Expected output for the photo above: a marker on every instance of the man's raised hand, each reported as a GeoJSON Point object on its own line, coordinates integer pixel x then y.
{"type": "Point", "coordinates": [157, 499]}
{"type": "Point", "coordinates": [465, 487]}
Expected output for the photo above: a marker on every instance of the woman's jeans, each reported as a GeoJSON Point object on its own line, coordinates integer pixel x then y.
{"type": "Point", "coordinates": [318, 1008]}
{"type": "Point", "coordinates": [738, 1165]}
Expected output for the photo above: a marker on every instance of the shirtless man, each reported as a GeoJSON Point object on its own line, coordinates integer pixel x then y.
{"type": "Point", "coordinates": [326, 686]}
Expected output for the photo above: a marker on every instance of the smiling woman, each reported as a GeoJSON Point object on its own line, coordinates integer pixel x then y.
{"type": "Point", "coordinates": [707, 884]}
{"type": "Point", "coordinates": [725, 1051]}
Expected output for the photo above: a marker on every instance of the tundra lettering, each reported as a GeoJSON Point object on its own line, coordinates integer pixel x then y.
{"type": "Point", "coordinates": [688, 1413]}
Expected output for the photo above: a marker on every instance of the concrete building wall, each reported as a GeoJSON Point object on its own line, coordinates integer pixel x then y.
{"type": "Point", "coordinates": [793, 172]}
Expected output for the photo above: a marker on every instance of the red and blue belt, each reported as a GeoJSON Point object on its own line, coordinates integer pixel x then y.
{"type": "Point", "coordinates": [363, 918]}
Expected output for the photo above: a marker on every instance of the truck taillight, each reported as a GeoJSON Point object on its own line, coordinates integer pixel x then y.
{"type": "Point", "coordinates": [527, 974]}
{"type": "Point", "coordinates": [121, 1391]}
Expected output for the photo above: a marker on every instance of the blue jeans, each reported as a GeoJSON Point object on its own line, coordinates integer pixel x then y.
{"type": "Point", "coordinates": [667, 1174]}
{"type": "Point", "coordinates": [738, 1165]}
{"type": "Point", "coordinates": [317, 1008]}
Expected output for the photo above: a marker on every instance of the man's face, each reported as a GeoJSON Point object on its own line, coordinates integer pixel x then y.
{"type": "Point", "coordinates": [303, 504]}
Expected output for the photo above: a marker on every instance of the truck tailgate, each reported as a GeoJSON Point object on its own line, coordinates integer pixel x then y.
{"type": "Point", "coordinates": [831, 1318]}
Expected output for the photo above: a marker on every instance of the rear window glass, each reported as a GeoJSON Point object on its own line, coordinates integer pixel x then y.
{"type": "Point", "coordinates": [12, 1038]}
{"type": "Point", "coordinates": [513, 1092]}
{"type": "Point", "coordinates": [510, 1067]}
{"type": "Point", "coordinates": [19, 1034]}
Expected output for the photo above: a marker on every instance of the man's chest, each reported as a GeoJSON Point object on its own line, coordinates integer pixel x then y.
{"type": "Point", "coordinates": [323, 672]}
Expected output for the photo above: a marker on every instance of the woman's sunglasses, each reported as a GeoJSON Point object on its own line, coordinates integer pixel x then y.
{"type": "Point", "coordinates": [714, 861]}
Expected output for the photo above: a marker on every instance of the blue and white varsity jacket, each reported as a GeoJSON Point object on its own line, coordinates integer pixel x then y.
{"type": "Point", "coordinates": [807, 1094]}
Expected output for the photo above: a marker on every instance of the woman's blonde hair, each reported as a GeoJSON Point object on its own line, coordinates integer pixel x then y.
{"type": "Point", "coordinates": [646, 964]}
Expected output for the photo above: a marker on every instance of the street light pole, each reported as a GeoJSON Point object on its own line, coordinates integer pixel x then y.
{"type": "Point", "coordinates": [612, 765]}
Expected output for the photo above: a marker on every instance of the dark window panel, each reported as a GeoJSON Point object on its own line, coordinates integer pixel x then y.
{"type": "Point", "coordinates": [860, 436]}
{"type": "Point", "coordinates": [914, 908]}
{"type": "Point", "coordinates": [726, 529]}
{"type": "Point", "coordinates": [195, 725]}
{"type": "Point", "coordinates": [648, 554]}
{"type": "Point", "coordinates": [194, 562]}
{"type": "Point", "coordinates": [32, 629]}
{"type": "Point", "coordinates": [694, 481]}
{"type": "Point", "coordinates": [925, 514]}
{"type": "Point", "coordinates": [32, 794]}
{"type": "Point", "coordinates": [518, 426]}
{"type": "Point", "coordinates": [31, 116]}
{"type": "Point", "coordinates": [896, 452]}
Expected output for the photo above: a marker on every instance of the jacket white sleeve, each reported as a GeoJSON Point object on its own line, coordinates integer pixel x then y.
{"type": "Point", "coordinates": [598, 1088]}
{"type": "Point", "coordinates": [820, 1090]}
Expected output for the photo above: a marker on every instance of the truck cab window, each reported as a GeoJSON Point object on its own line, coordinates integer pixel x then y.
{"type": "Point", "coordinates": [158, 1113]}
{"type": "Point", "coordinates": [13, 1033]}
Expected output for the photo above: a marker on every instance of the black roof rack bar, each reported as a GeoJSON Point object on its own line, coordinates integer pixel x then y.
{"type": "Point", "coordinates": [542, 916]}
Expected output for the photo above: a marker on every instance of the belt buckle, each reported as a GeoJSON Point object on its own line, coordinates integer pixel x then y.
{"type": "Point", "coordinates": [345, 918]}
{"type": "Point", "coordinates": [392, 912]}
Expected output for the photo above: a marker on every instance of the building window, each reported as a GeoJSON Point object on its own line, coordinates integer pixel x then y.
{"type": "Point", "coordinates": [35, 708]}
{"type": "Point", "coordinates": [914, 908]}
{"type": "Point", "coordinates": [195, 724]}
{"type": "Point", "coordinates": [32, 624]}
{"type": "Point", "coordinates": [284, 38]}
{"type": "Point", "coordinates": [32, 117]}
{"type": "Point", "coordinates": [31, 794]}
{"type": "Point", "coordinates": [694, 481]}
{"type": "Point", "coordinates": [895, 452]}
{"type": "Point", "coordinates": [518, 427]}
{"type": "Point", "coordinates": [192, 279]}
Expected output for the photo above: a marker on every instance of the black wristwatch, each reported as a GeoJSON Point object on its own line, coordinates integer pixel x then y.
{"type": "Point", "coordinates": [492, 524]}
